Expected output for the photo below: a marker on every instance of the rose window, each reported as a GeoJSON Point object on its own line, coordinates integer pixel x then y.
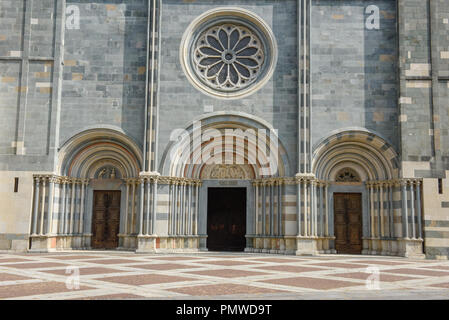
{"type": "Point", "coordinates": [228, 53]}
{"type": "Point", "coordinates": [228, 57]}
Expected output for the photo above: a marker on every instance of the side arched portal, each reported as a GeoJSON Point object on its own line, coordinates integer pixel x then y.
{"type": "Point", "coordinates": [365, 207]}
{"type": "Point", "coordinates": [91, 199]}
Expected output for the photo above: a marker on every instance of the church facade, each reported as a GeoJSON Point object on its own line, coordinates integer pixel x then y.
{"type": "Point", "coordinates": [291, 127]}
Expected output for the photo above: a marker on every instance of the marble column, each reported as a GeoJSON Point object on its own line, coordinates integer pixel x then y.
{"type": "Point", "coordinates": [41, 229]}
{"type": "Point", "coordinates": [67, 206]}
{"type": "Point", "coordinates": [379, 211]}
{"type": "Point", "coordinates": [391, 209]}
{"type": "Point", "coordinates": [72, 208]}
{"type": "Point", "coordinates": [170, 209]}
{"type": "Point", "coordinates": [51, 191]}
{"type": "Point", "coordinates": [189, 209]}
{"type": "Point", "coordinates": [412, 209]}
{"type": "Point", "coordinates": [153, 212]}
{"type": "Point", "coordinates": [256, 207]}
{"type": "Point", "coordinates": [148, 207]}
{"type": "Point", "coordinates": [279, 209]}
{"type": "Point", "coordinates": [327, 210]}
{"type": "Point", "coordinates": [271, 208]}
{"type": "Point", "coordinates": [82, 205]}
{"type": "Point", "coordinates": [133, 206]}
{"type": "Point", "coordinates": [299, 207]}
{"type": "Point", "coordinates": [306, 211]}
{"type": "Point", "coordinates": [321, 203]}
{"type": "Point", "coordinates": [62, 207]}
{"type": "Point", "coordinates": [125, 231]}
{"type": "Point", "coordinates": [36, 205]}
{"type": "Point", "coordinates": [197, 194]}
{"type": "Point", "coordinates": [312, 208]}
{"type": "Point", "coordinates": [371, 197]}
{"type": "Point", "coordinates": [404, 210]}
{"type": "Point", "coordinates": [264, 211]}
{"type": "Point", "coordinates": [418, 208]}
{"type": "Point", "coordinates": [141, 205]}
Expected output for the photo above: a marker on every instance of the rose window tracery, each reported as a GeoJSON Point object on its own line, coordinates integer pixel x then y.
{"type": "Point", "coordinates": [228, 53]}
{"type": "Point", "coordinates": [229, 57]}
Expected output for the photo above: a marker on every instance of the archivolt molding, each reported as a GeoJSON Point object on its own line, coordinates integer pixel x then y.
{"type": "Point", "coordinates": [88, 151]}
{"type": "Point", "coordinates": [265, 153]}
{"type": "Point", "coordinates": [358, 150]}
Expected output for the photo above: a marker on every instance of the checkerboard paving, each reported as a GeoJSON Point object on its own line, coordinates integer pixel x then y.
{"type": "Point", "coordinates": [124, 275]}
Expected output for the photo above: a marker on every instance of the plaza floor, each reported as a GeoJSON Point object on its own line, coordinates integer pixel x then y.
{"type": "Point", "coordinates": [125, 275]}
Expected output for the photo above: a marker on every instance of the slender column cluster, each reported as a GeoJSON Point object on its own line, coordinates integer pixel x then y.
{"type": "Point", "coordinates": [148, 204]}
{"type": "Point", "coordinates": [312, 215]}
{"type": "Point", "coordinates": [58, 205]}
{"type": "Point", "coordinates": [312, 209]}
{"type": "Point", "coordinates": [382, 208]}
{"type": "Point", "coordinates": [268, 206]}
{"type": "Point", "coordinates": [133, 187]}
{"type": "Point", "coordinates": [183, 206]}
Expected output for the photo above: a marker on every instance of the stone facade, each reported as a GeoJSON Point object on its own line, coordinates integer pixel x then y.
{"type": "Point", "coordinates": [97, 95]}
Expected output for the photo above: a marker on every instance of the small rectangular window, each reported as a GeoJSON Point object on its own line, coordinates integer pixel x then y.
{"type": "Point", "coordinates": [440, 186]}
{"type": "Point", "coordinates": [16, 184]}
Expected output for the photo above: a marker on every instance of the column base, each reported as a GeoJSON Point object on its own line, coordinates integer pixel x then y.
{"type": "Point", "coordinates": [411, 248]}
{"type": "Point", "coordinates": [51, 242]}
{"type": "Point", "coordinates": [169, 244]}
{"type": "Point", "coordinates": [306, 246]}
{"type": "Point", "coordinates": [127, 242]}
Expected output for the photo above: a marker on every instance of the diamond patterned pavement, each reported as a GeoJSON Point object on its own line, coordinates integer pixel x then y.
{"type": "Point", "coordinates": [124, 275]}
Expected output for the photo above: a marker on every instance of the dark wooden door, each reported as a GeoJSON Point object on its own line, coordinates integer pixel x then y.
{"type": "Point", "coordinates": [106, 219]}
{"type": "Point", "coordinates": [348, 222]}
{"type": "Point", "coordinates": [226, 219]}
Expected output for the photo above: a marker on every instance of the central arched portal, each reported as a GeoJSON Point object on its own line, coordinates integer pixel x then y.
{"type": "Point", "coordinates": [230, 153]}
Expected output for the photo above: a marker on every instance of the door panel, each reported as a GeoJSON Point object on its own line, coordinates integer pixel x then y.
{"type": "Point", "coordinates": [348, 222]}
{"type": "Point", "coordinates": [226, 216]}
{"type": "Point", "coordinates": [106, 219]}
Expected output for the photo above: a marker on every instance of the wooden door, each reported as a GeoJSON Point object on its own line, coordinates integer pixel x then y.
{"type": "Point", "coordinates": [106, 219]}
{"type": "Point", "coordinates": [226, 219]}
{"type": "Point", "coordinates": [348, 222]}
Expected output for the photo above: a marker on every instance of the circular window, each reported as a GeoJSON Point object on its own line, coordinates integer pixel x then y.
{"type": "Point", "coordinates": [228, 53]}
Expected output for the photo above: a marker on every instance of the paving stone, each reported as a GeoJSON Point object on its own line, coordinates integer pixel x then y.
{"type": "Point", "coordinates": [222, 289]}
{"type": "Point", "coordinates": [84, 271]}
{"type": "Point", "coordinates": [162, 266]}
{"type": "Point", "coordinates": [12, 277]}
{"type": "Point", "coordinates": [312, 283]}
{"type": "Point", "coordinates": [31, 289]}
{"type": "Point", "coordinates": [36, 265]}
{"type": "Point", "coordinates": [145, 279]}
{"type": "Point", "coordinates": [250, 276]}
{"type": "Point", "coordinates": [339, 265]}
{"type": "Point", "coordinates": [365, 276]}
{"type": "Point", "coordinates": [228, 273]}
{"type": "Point", "coordinates": [419, 272]}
